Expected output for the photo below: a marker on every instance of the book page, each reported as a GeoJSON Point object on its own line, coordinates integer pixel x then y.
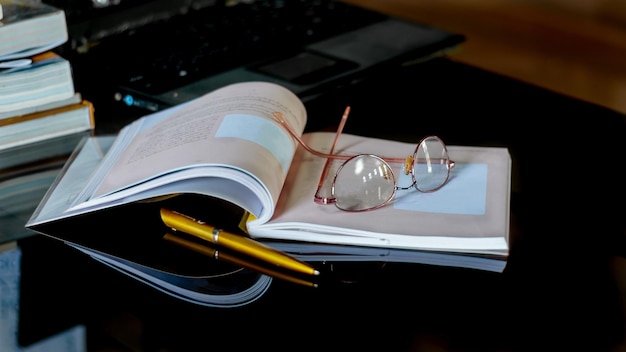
{"type": "Point", "coordinates": [66, 189]}
{"type": "Point", "coordinates": [230, 129]}
{"type": "Point", "coordinates": [470, 212]}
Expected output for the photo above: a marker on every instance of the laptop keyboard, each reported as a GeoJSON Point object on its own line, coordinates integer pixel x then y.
{"type": "Point", "coordinates": [168, 54]}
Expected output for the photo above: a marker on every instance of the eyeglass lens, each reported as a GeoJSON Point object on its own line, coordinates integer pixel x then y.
{"type": "Point", "coordinates": [363, 182]}
{"type": "Point", "coordinates": [430, 164]}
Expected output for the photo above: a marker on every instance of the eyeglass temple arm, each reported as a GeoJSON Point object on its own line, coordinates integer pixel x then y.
{"type": "Point", "coordinates": [342, 123]}
{"type": "Point", "coordinates": [409, 161]}
{"type": "Point", "coordinates": [318, 198]}
{"type": "Point", "coordinates": [279, 117]}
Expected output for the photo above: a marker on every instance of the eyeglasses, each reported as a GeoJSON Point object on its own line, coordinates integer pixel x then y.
{"type": "Point", "coordinates": [366, 181]}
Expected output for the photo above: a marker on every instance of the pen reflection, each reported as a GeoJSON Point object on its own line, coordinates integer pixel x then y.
{"type": "Point", "coordinates": [234, 259]}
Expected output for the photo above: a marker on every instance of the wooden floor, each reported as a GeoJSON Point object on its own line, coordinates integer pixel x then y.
{"type": "Point", "coordinates": [575, 47]}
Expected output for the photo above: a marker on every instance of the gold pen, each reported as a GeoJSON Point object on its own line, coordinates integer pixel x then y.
{"type": "Point", "coordinates": [229, 258]}
{"type": "Point", "coordinates": [237, 243]}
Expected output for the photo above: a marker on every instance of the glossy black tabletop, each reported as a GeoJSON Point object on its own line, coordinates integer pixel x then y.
{"type": "Point", "coordinates": [562, 289]}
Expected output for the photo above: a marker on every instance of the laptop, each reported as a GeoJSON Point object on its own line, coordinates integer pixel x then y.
{"type": "Point", "coordinates": [154, 54]}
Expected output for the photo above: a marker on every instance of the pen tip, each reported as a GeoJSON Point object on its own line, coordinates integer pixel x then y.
{"type": "Point", "coordinates": [315, 272]}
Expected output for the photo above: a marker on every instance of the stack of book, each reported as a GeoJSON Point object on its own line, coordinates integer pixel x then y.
{"type": "Point", "coordinates": [42, 117]}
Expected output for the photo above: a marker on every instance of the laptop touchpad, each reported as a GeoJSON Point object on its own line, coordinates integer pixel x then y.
{"type": "Point", "coordinates": [305, 68]}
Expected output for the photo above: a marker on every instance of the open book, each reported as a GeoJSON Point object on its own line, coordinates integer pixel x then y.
{"type": "Point", "coordinates": [228, 145]}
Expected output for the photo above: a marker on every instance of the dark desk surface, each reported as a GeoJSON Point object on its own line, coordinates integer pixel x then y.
{"type": "Point", "coordinates": [561, 288]}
